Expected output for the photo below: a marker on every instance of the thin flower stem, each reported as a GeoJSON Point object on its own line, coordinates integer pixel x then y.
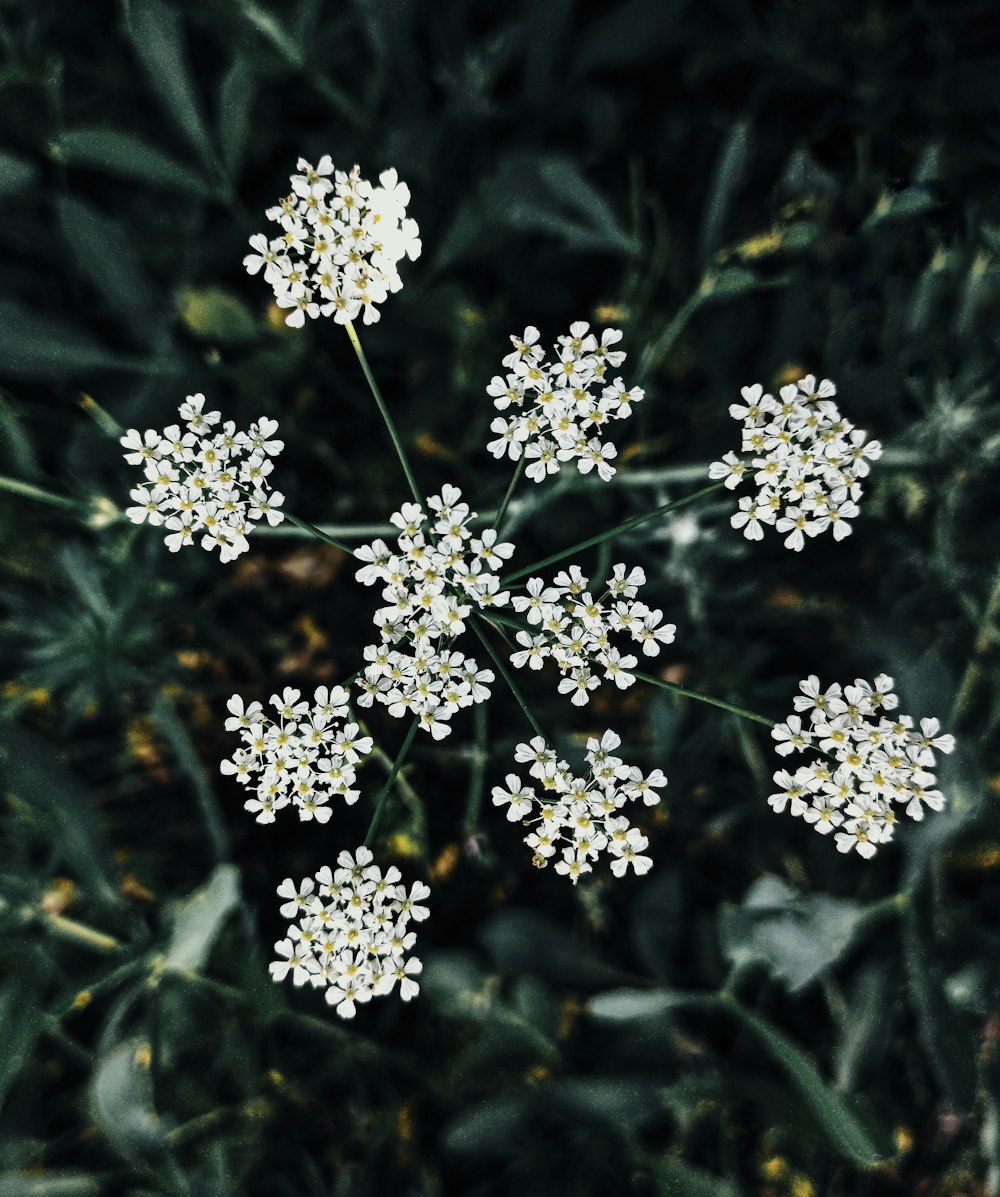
{"type": "Point", "coordinates": [474, 801]}
{"type": "Point", "coordinates": [317, 532]}
{"type": "Point", "coordinates": [384, 412]}
{"type": "Point", "coordinates": [28, 490]}
{"type": "Point", "coordinates": [409, 795]}
{"type": "Point", "coordinates": [502, 509]}
{"type": "Point", "coordinates": [984, 637]}
{"type": "Point", "coordinates": [617, 530]}
{"type": "Point", "coordinates": [348, 531]}
{"type": "Point", "coordinates": [505, 674]}
{"type": "Point", "coordinates": [658, 350]}
{"type": "Point", "coordinates": [715, 702]}
{"type": "Point", "coordinates": [397, 764]}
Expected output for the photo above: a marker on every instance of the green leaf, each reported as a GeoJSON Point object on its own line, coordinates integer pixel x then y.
{"type": "Point", "coordinates": [212, 314]}
{"type": "Point", "coordinates": [548, 194]}
{"type": "Point", "coordinates": [236, 96]}
{"type": "Point", "coordinates": [21, 1018]}
{"type": "Point", "coordinates": [15, 443]}
{"type": "Point", "coordinates": [128, 157]}
{"type": "Point", "coordinates": [946, 1038]}
{"type": "Point", "coordinates": [861, 1045]}
{"type": "Point", "coordinates": [488, 1130]}
{"type": "Point", "coordinates": [57, 1183]}
{"type": "Point", "coordinates": [530, 941]}
{"type": "Point", "coordinates": [628, 33]}
{"type": "Point", "coordinates": [34, 774]}
{"type": "Point", "coordinates": [35, 345]}
{"type": "Point", "coordinates": [797, 936]}
{"type": "Point", "coordinates": [16, 173]}
{"type": "Point", "coordinates": [160, 42]}
{"type": "Point", "coordinates": [107, 258]}
{"type": "Point", "coordinates": [832, 1116]}
{"type": "Point", "coordinates": [729, 175]}
{"type": "Point", "coordinates": [632, 1005]}
{"type": "Point", "coordinates": [122, 1100]}
{"type": "Point", "coordinates": [200, 918]}
{"type": "Point", "coordinates": [675, 1178]}
{"type": "Point", "coordinates": [656, 921]}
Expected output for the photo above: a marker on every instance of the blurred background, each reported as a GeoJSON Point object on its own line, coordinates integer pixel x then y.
{"type": "Point", "coordinates": [750, 191]}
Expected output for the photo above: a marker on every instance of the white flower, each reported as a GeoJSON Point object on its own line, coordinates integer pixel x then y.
{"type": "Point", "coordinates": [579, 818]}
{"type": "Point", "coordinates": [340, 241]}
{"type": "Point", "coordinates": [351, 937]}
{"type": "Point", "coordinates": [437, 575]}
{"type": "Point", "coordinates": [806, 461]}
{"type": "Point", "coordinates": [869, 763]}
{"type": "Point", "coordinates": [555, 409]}
{"type": "Point", "coordinates": [574, 629]}
{"type": "Point", "coordinates": [303, 757]}
{"type": "Point", "coordinates": [205, 487]}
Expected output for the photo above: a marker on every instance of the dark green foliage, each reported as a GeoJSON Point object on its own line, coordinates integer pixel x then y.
{"type": "Point", "coordinates": [752, 191]}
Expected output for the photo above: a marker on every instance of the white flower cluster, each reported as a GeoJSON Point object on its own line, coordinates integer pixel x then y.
{"type": "Point", "coordinates": [301, 758]}
{"type": "Point", "coordinates": [351, 937]}
{"type": "Point", "coordinates": [435, 577]}
{"type": "Point", "coordinates": [556, 413]}
{"type": "Point", "coordinates": [871, 762]}
{"type": "Point", "coordinates": [580, 817]}
{"type": "Point", "coordinates": [575, 629]}
{"type": "Point", "coordinates": [806, 463]}
{"type": "Point", "coordinates": [340, 242]}
{"type": "Point", "coordinates": [206, 485]}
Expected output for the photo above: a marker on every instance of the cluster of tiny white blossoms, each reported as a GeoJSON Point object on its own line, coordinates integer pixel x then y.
{"type": "Point", "coordinates": [340, 243]}
{"type": "Point", "coordinates": [575, 629]}
{"type": "Point", "coordinates": [301, 758]}
{"type": "Point", "coordinates": [202, 484]}
{"type": "Point", "coordinates": [351, 937]}
{"type": "Point", "coordinates": [806, 463]}
{"type": "Point", "coordinates": [438, 573]}
{"type": "Point", "coordinates": [580, 817]}
{"type": "Point", "coordinates": [556, 414]}
{"type": "Point", "coordinates": [877, 760]}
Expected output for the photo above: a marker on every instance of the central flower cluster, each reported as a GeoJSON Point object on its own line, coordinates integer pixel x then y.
{"type": "Point", "coordinates": [557, 416]}
{"type": "Point", "coordinates": [205, 485]}
{"type": "Point", "coordinates": [580, 817]}
{"type": "Point", "coordinates": [340, 241]}
{"type": "Point", "coordinates": [806, 463]}
{"type": "Point", "coordinates": [873, 761]}
{"type": "Point", "coordinates": [438, 574]}
{"type": "Point", "coordinates": [351, 937]}
{"type": "Point", "coordinates": [302, 758]}
{"type": "Point", "coordinates": [575, 629]}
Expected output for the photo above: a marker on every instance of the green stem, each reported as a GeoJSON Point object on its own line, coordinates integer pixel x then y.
{"type": "Point", "coordinates": [288, 48]}
{"type": "Point", "coordinates": [617, 530]}
{"type": "Point", "coordinates": [384, 412]}
{"type": "Point", "coordinates": [317, 532]}
{"type": "Point", "coordinates": [174, 731]}
{"type": "Point", "coordinates": [502, 509]}
{"type": "Point", "coordinates": [29, 491]}
{"type": "Point", "coordinates": [505, 674]}
{"type": "Point", "coordinates": [984, 636]}
{"type": "Point", "coordinates": [411, 798]}
{"type": "Point", "coordinates": [474, 801]}
{"type": "Point", "coordinates": [397, 764]}
{"type": "Point", "coordinates": [658, 350]}
{"type": "Point", "coordinates": [715, 702]}
{"type": "Point", "coordinates": [349, 531]}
